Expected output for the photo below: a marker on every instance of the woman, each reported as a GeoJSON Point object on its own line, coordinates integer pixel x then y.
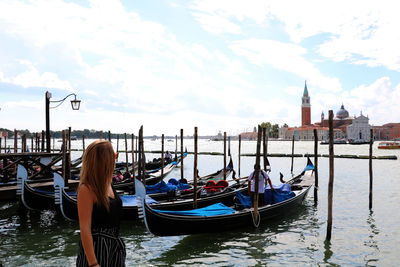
{"type": "Point", "coordinates": [99, 209]}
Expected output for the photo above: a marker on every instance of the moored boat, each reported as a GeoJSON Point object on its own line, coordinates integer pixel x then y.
{"type": "Point", "coordinates": [169, 223]}
{"type": "Point", "coordinates": [389, 145]}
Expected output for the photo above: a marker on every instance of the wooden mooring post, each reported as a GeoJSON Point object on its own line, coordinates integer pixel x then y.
{"type": "Point", "coordinates": [182, 154]}
{"type": "Point", "coordinates": [83, 143]}
{"type": "Point", "coordinates": [141, 157]}
{"type": "Point", "coordinates": [162, 156]}
{"type": "Point", "coordinates": [109, 136]}
{"type": "Point", "coordinates": [257, 169]}
{"type": "Point", "coordinates": [224, 155]}
{"type": "Point", "coordinates": [331, 178]}
{"type": "Point", "coordinates": [133, 155]}
{"type": "Point", "coordinates": [291, 166]}
{"type": "Point", "coordinates": [195, 170]}
{"type": "Point", "coordinates": [118, 146]}
{"type": "Point", "coordinates": [315, 167]}
{"type": "Point", "coordinates": [15, 141]}
{"type": "Point", "coordinates": [229, 146]}
{"type": "Point", "coordinates": [101, 135]}
{"type": "Point", "coordinates": [176, 147]}
{"type": "Point", "coordinates": [264, 141]}
{"type": "Point", "coordinates": [126, 153]}
{"type": "Point", "coordinates": [43, 137]}
{"type": "Point", "coordinates": [371, 142]}
{"type": "Point", "coordinates": [240, 143]}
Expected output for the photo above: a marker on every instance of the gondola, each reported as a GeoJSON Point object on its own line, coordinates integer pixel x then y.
{"type": "Point", "coordinates": [37, 198]}
{"type": "Point", "coordinates": [218, 175]}
{"type": "Point", "coordinates": [152, 176]}
{"type": "Point", "coordinates": [166, 224]}
{"type": "Point", "coordinates": [44, 198]}
{"type": "Point", "coordinates": [68, 202]}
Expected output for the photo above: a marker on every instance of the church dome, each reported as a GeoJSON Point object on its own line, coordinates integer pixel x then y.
{"type": "Point", "coordinates": [342, 113]}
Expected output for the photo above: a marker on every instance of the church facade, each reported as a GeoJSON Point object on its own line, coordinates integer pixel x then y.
{"type": "Point", "coordinates": [355, 129]}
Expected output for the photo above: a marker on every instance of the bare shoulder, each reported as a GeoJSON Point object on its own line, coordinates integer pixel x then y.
{"type": "Point", "coordinates": [84, 191]}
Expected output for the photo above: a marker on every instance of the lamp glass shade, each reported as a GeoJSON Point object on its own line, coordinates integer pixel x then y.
{"type": "Point", "coordinates": [75, 104]}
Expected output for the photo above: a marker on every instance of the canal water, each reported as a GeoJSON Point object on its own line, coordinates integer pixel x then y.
{"type": "Point", "coordinates": [360, 237]}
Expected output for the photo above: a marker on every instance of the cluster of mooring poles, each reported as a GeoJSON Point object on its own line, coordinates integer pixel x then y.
{"type": "Point", "coordinates": [38, 145]}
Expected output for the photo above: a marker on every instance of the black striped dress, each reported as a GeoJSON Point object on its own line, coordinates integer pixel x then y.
{"type": "Point", "coordinates": [108, 245]}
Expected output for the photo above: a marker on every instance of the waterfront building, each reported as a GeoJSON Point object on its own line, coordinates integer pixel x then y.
{"type": "Point", "coordinates": [388, 131]}
{"type": "Point", "coordinates": [360, 130]}
{"type": "Point", "coordinates": [342, 123]}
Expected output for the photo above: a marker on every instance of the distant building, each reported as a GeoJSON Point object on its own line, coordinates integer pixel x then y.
{"type": "Point", "coordinates": [305, 107]}
{"type": "Point", "coordinates": [344, 126]}
{"type": "Point", "coordinates": [359, 130]}
{"type": "Point", "coordinates": [3, 134]}
{"type": "Point", "coordinates": [389, 131]}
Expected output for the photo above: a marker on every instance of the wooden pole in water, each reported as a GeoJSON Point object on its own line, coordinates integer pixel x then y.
{"type": "Point", "coordinates": [315, 167]}
{"type": "Point", "coordinates": [137, 149]}
{"type": "Point", "coordinates": [109, 136]}
{"type": "Point", "coordinates": [291, 167]}
{"type": "Point", "coordinates": [176, 147]}
{"type": "Point", "coordinates": [182, 154]}
{"type": "Point", "coordinates": [118, 146]}
{"type": "Point", "coordinates": [143, 158]}
{"type": "Point", "coordinates": [139, 156]}
{"type": "Point", "coordinates": [23, 145]}
{"type": "Point", "coordinates": [240, 143]}
{"type": "Point", "coordinates": [371, 142]}
{"type": "Point", "coordinates": [229, 146]}
{"type": "Point", "coordinates": [83, 143]}
{"type": "Point", "coordinates": [224, 155]}
{"type": "Point", "coordinates": [15, 141]}
{"type": "Point", "coordinates": [32, 142]}
{"type": "Point", "coordinates": [126, 153]}
{"type": "Point", "coordinates": [331, 177]}
{"type": "Point", "coordinates": [162, 156]}
{"type": "Point", "coordinates": [256, 216]}
{"type": "Point", "coordinates": [64, 157]}
{"type": "Point", "coordinates": [36, 142]}
{"type": "Point", "coordinates": [69, 157]}
{"type": "Point", "coordinates": [43, 137]}
{"type": "Point", "coordinates": [264, 133]}
{"type": "Point", "coordinates": [195, 170]}
{"type": "Point", "coordinates": [133, 155]}
{"type": "Point", "coordinates": [101, 135]}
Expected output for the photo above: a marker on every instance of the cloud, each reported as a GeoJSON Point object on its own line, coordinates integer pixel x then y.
{"type": "Point", "coordinates": [284, 56]}
{"type": "Point", "coordinates": [33, 78]}
{"type": "Point", "coordinates": [360, 32]}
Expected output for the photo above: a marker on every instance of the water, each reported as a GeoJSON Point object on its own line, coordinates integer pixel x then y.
{"type": "Point", "coordinates": [360, 237]}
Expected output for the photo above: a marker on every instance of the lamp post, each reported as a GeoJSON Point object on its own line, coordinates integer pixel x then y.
{"type": "Point", "coordinates": [75, 104]}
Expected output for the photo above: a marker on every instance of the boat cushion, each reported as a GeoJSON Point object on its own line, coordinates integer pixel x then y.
{"type": "Point", "coordinates": [212, 210]}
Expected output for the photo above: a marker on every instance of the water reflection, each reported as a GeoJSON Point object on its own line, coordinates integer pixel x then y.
{"type": "Point", "coordinates": [242, 247]}
{"type": "Point", "coordinates": [371, 258]}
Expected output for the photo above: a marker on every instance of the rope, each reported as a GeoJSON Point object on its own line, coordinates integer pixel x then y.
{"type": "Point", "coordinates": [256, 224]}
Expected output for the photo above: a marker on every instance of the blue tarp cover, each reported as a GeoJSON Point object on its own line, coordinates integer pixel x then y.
{"type": "Point", "coordinates": [131, 200]}
{"type": "Point", "coordinates": [162, 187]}
{"type": "Point", "coordinates": [280, 193]}
{"type": "Point", "coordinates": [212, 210]}
{"type": "Point", "coordinates": [244, 200]}
{"type": "Point", "coordinates": [159, 188]}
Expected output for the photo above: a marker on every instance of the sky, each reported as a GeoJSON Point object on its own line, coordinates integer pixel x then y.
{"type": "Point", "coordinates": [219, 65]}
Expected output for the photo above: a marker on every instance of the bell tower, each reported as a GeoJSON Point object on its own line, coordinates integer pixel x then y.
{"type": "Point", "coordinates": [305, 107]}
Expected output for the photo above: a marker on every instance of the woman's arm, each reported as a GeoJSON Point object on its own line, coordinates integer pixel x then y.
{"type": "Point", "coordinates": [85, 207]}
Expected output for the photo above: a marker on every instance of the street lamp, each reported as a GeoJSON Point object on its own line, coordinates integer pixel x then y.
{"type": "Point", "coordinates": [75, 104]}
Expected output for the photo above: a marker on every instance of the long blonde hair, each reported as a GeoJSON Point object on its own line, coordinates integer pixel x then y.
{"type": "Point", "coordinates": [97, 169]}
